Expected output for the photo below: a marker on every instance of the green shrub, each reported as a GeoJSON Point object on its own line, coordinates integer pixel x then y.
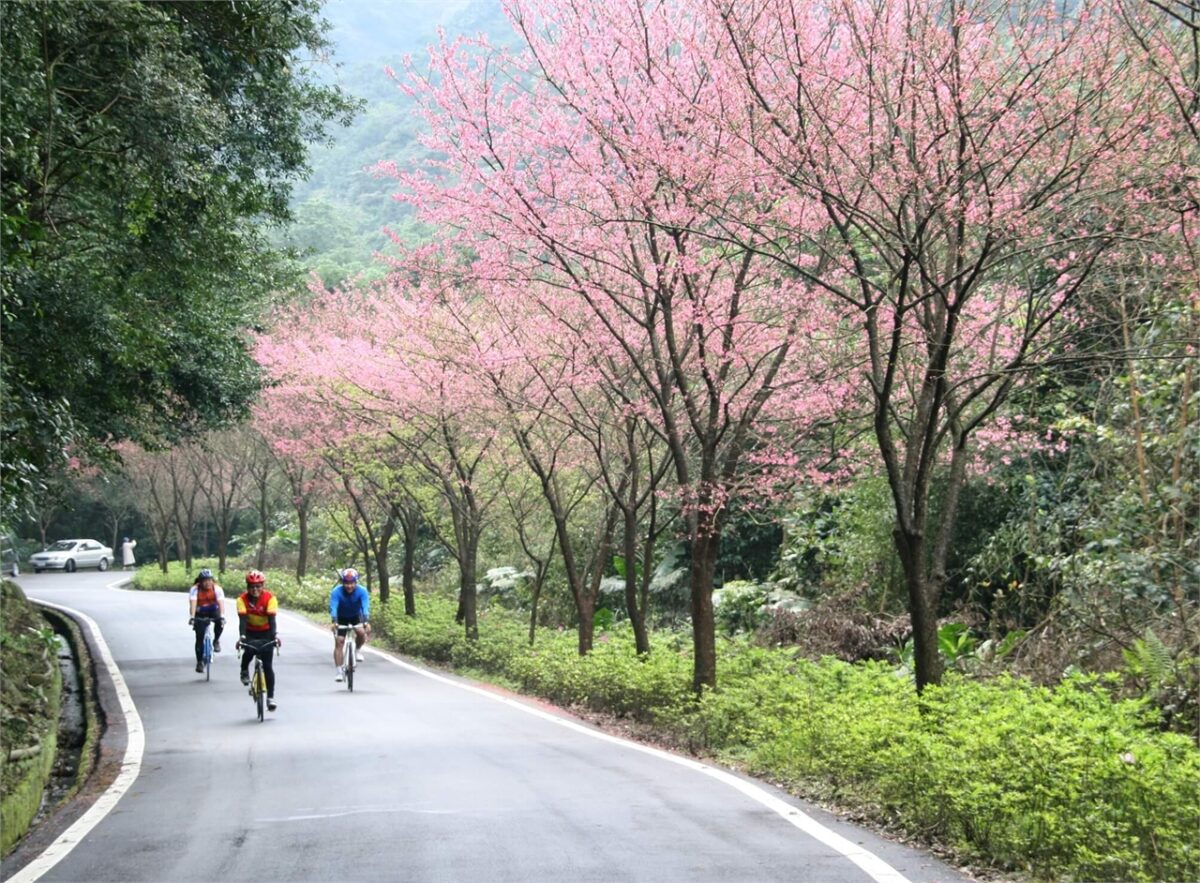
{"type": "Point", "coordinates": [310, 595]}
{"type": "Point", "coordinates": [1056, 782]}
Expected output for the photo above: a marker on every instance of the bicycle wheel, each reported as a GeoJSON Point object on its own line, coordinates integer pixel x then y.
{"type": "Point", "coordinates": [260, 689]}
{"type": "Point", "coordinates": [350, 664]}
{"type": "Point", "coordinates": [208, 654]}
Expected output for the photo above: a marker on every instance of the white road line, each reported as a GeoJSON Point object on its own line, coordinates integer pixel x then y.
{"type": "Point", "coordinates": [875, 867]}
{"type": "Point", "coordinates": [358, 812]}
{"type": "Point", "coordinates": [131, 764]}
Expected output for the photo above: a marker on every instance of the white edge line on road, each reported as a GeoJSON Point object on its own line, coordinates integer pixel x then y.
{"type": "Point", "coordinates": [871, 864]}
{"type": "Point", "coordinates": [131, 764]}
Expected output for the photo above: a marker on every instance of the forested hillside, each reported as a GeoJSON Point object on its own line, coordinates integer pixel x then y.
{"type": "Point", "coordinates": [342, 210]}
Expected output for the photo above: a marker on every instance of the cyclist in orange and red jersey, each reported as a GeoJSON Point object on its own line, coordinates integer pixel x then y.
{"type": "Point", "coordinates": [206, 601]}
{"type": "Point", "coordinates": [256, 609]}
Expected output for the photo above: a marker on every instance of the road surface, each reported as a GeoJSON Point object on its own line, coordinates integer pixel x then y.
{"type": "Point", "coordinates": [412, 777]}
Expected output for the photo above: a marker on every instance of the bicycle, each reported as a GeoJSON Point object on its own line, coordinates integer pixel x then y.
{"type": "Point", "coordinates": [206, 656]}
{"type": "Point", "coordinates": [258, 679]}
{"type": "Point", "coordinates": [349, 653]}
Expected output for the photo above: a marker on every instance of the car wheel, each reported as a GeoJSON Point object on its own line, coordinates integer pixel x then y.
{"type": "Point", "coordinates": [70, 568]}
{"type": "Point", "coordinates": [38, 569]}
{"type": "Point", "coordinates": [103, 565]}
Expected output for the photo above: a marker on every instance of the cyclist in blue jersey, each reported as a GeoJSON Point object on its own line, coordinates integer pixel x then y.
{"type": "Point", "coordinates": [349, 604]}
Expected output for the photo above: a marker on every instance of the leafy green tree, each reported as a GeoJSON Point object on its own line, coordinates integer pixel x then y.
{"type": "Point", "coordinates": [147, 147]}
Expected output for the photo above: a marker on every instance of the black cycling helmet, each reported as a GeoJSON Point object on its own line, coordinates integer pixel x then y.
{"type": "Point", "coordinates": [204, 574]}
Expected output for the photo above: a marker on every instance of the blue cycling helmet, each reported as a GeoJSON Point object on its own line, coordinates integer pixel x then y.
{"type": "Point", "coordinates": [204, 574]}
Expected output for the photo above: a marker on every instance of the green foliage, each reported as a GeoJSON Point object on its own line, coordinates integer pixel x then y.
{"type": "Point", "coordinates": [746, 607]}
{"type": "Point", "coordinates": [146, 147]}
{"type": "Point", "coordinates": [1150, 660]}
{"type": "Point", "coordinates": [1172, 684]}
{"type": "Point", "coordinates": [957, 647]}
{"type": "Point", "coordinates": [955, 642]}
{"type": "Point", "coordinates": [310, 595]}
{"type": "Point", "coordinates": [750, 544]}
{"type": "Point", "coordinates": [1054, 782]}
{"type": "Point", "coordinates": [841, 540]}
{"type": "Point", "coordinates": [602, 619]}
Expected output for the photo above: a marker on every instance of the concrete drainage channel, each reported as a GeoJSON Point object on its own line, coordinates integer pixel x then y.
{"type": "Point", "coordinates": [79, 721]}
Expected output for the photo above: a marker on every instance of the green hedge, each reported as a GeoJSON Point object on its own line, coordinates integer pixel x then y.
{"type": "Point", "coordinates": [309, 595]}
{"type": "Point", "coordinates": [1060, 783]}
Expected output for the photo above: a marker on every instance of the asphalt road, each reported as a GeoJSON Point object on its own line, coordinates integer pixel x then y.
{"type": "Point", "coordinates": [412, 777]}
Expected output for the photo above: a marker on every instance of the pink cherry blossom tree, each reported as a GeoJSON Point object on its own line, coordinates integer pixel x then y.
{"type": "Point", "coordinates": [567, 176]}
{"type": "Point", "coordinates": [378, 362]}
{"type": "Point", "coordinates": [549, 396]}
{"type": "Point", "coordinates": [969, 171]}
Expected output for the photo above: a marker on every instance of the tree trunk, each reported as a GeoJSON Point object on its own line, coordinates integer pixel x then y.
{"type": "Point", "coordinates": [410, 553]}
{"type": "Point", "coordinates": [533, 605]}
{"type": "Point", "coordinates": [566, 548]}
{"type": "Point", "coordinates": [184, 543]}
{"type": "Point", "coordinates": [636, 614]}
{"type": "Point", "coordinates": [706, 542]}
{"type": "Point", "coordinates": [302, 559]}
{"type": "Point", "coordinates": [922, 609]}
{"type": "Point", "coordinates": [586, 608]}
{"type": "Point", "coordinates": [466, 594]}
{"type": "Point", "coordinates": [382, 556]}
{"type": "Point", "coordinates": [260, 560]}
{"type": "Point", "coordinates": [223, 545]}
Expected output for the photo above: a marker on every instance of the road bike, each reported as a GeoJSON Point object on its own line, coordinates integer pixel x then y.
{"type": "Point", "coordinates": [206, 655]}
{"type": "Point", "coordinates": [258, 678]}
{"type": "Point", "coordinates": [349, 652]}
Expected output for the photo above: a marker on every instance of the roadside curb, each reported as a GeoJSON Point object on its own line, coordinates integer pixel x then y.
{"type": "Point", "coordinates": [116, 765]}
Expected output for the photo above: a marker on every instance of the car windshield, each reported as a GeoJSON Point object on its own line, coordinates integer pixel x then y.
{"type": "Point", "coordinates": [62, 546]}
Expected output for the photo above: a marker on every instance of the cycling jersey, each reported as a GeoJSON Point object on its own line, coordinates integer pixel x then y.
{"type": "Point", "coordinates": [258, 612]}
{"type": "Point", "coordinates": [349, 608]}
{"type": "Point", "coordinates": [208, 601]}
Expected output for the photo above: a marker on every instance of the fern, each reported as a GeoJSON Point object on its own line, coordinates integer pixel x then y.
{"type": "Point", "coordinates": [1150, 660]}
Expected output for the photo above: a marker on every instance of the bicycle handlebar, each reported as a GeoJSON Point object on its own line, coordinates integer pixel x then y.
{"type": "Point", "coordinates": [257, 646]}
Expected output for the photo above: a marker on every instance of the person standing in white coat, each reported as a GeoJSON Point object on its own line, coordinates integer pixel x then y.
{"type": "Point", "coordinates": [127, 559]}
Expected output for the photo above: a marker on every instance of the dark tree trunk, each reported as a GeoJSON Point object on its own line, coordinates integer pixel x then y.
{"type": "Point", "coordinates": [409, 525]}
{"type": "Point", "coordinates": [538, 579]}
{"type": "Point", "coordinates": [922, 609]}
{"type": "Point", "coordinates": [467, 594]}
{"type": "Point", "coordinates": [302, 557]}
{"type": "Point", "coordinates": [705, 545]}
{"type": "Point", "coordinates": [382, 556]}
{"type": "Point", "coordinates": [636, 614]}
{"type": "Point", "coordinates": [223, 546]}
{"type": "Point", "coordinates": [264, 515]}
{"type": "Point", "coordinates": [586, 608]}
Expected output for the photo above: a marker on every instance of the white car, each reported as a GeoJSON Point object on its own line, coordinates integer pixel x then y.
{"type": "Point", "coordinates": [71, 554]}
